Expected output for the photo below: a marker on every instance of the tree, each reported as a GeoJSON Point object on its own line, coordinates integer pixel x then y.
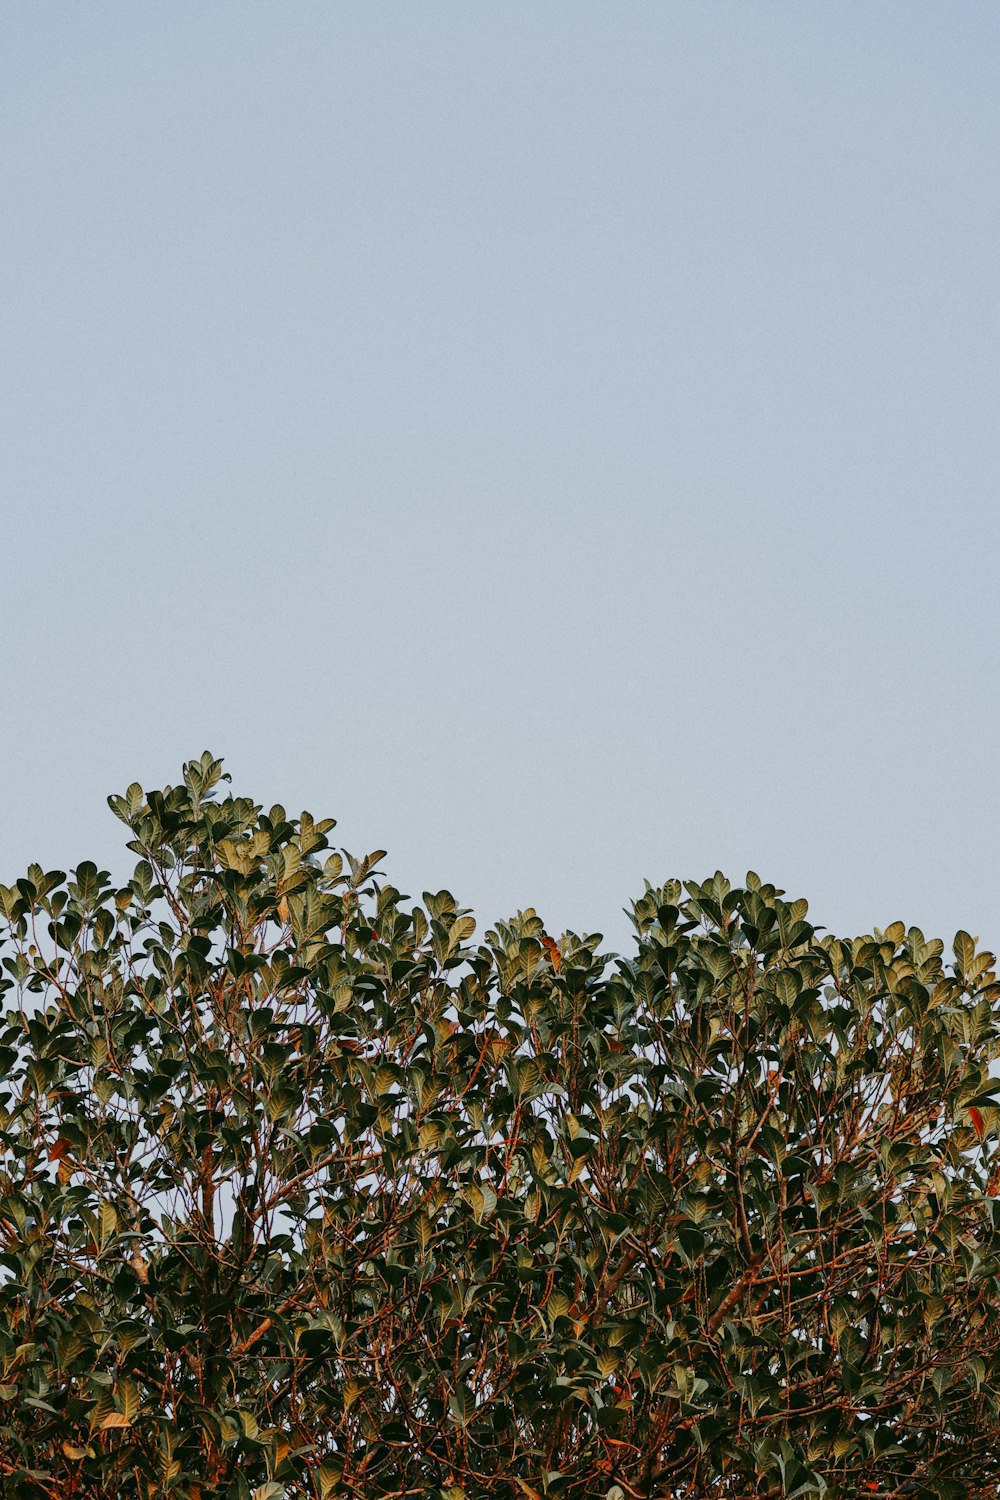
{"type": "Point", "coordinates": [304, 1193]}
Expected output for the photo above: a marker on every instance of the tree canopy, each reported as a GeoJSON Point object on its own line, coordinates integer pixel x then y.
{"type": "Point", "coordinates": [306, 1192]}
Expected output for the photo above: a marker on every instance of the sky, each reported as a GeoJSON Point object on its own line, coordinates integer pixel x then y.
{"type": "Point", "coordinates": [558, 440]}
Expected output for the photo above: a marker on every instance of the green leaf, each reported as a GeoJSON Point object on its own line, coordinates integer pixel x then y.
{"type": "Point", "coordinates": [108, 1221]}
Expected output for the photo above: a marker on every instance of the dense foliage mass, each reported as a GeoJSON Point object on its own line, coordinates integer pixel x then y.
{"type": "Point", "coordinates": [304, 1193]}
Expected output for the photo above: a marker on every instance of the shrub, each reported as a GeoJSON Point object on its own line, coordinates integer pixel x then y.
{"type": "Point", "coordinates": [304, 1193]}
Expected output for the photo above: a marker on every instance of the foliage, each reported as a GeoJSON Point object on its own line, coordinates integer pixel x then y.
{"type": "Point", "coordinates": [306, 1194]}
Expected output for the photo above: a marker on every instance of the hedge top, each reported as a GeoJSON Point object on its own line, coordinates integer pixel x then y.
{"type": "Point", "coordinates": [304, 1192]}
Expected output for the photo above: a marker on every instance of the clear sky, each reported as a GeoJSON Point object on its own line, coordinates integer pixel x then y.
{"type": "Point", "coordinates": [558, 439]}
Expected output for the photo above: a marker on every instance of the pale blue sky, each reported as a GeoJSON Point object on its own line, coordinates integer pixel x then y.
{"type": "Point", "coordinates": [559, 440]}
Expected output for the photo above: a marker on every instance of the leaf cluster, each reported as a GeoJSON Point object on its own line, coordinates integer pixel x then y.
{"type": "Point", "coordinates": [306, 1192]}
